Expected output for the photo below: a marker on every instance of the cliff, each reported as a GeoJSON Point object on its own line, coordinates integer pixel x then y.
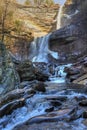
{"type": "Point", "coordinates": [71, 40]}
{"type": "Point", "coordinates": [40, 20]}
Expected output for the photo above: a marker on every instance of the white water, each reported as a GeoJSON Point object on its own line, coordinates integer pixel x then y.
{"type": "Point", "coordinates": [40, 50]}
{"type": "Point", "coordinates": [59, 17]}
{"type": "Point", "coordinates": [36, 106]}
{"type": "Point", "coordinates": [70, 16]}
{"type": "Point", "coordinates": [59, 76]}
{"type": "Point", "coordinates": [22, 114]}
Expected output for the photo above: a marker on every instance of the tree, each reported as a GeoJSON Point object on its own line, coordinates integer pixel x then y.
{"type": "Point", "coordinates": [19, 26]}
{"type": "Point", "coordinates": [49, 2]}
{"type": "Point", "coordinates": [27, 2]}
{"type": "Point", "coordinates": [5, 12]}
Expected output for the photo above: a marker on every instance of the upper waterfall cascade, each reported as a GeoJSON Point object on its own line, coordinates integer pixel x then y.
{"type": "Point", "coordinates": [60, 14]}
{"type": "Point", "coordinates": [59, 17]}
{"type": "Point", "coordinates": [40, 50]}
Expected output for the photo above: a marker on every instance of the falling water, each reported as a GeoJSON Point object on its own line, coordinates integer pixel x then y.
{"type": "Point", "coordinates": [59, 17]}
{"type": "Point", "coordinates": [40, 50]}
{"type": "Point", "coordinates": [61, 2]}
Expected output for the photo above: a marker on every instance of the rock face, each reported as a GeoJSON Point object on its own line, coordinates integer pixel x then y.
{"type": "Point", "coordinates": [71, 41]}
{"type": "Point", "coordinates": [40, 20]}
{"type": "Point", "coordinates": [71, 9]}
{"type": "Point", "coordinates": [78, 72]}
{"type": "Point", "coordinates": [28, 72]}
{"type": "Point", "coordinates": [9, 78]}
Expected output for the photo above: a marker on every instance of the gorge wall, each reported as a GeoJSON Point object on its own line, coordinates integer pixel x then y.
{"type": "Point", "coordinates": [71, 40]}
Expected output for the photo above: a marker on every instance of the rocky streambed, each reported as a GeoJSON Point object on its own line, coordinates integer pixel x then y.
{"type": "Point", "coordinates": [49, 100]}
{"type": "Point", "coordinates": [60, 107]}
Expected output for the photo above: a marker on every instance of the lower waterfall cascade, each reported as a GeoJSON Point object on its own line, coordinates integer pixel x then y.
{"type": "Point", "coordinates": [40, 50]}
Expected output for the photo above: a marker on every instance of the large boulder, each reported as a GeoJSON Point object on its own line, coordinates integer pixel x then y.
{"type": "Point", "coordinates": [28, 72]}
{"type": "Point", "coordinates": [77, 73]}
{"type": "Point", "coordinates": [9, 78]}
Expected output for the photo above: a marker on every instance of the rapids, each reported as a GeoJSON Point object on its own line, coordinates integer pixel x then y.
{"type": "Point", "coordinates": [36, 106]}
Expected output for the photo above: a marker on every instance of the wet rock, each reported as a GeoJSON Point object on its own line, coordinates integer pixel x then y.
{"type": "Point", "coordinates": [41, 76]}
{"type": "Point", "coordinates": [35, 85]}
{"type": "Point", "coordinates": [72, 70]}
{"type": "Point", "coordinates": [16, 95]}
{"type": "Point", "coordinates": [10, 102]}
{"type": "Point", "coordinates": [85, 64]}
{"type": "Point", "coordinates": [77, 73]}
{"type": "Point", "coordinates": [60, 98]}
{"type": "Point", "coordinates": [24, 84]}
{"type": "Point", "coordinates": [85, 122]}
{"type": "Point", "coordinates": [80, 98]}
{"type": "Point", "coordinates": [49, 109]}
{"type": "Point", "coordinates": [75, 114]}
{"type": "Point", "coordinates": [8, 108]}
{"type": "Point", "coordinates": [48, 121]}
{"type": "Point", "coordinates": [81, 79]}
{"type": "Point", "coordinates": [52, 126]}
{"type": "Point", "coordinates": [56, 103]}
{"type": "Point", "coordinates": [83, 103]}
{"type": "Point", "coordinates": [28, 72]}
{"type": "Point", "coordinates": [40, 86]}
{"type": "Point", "coordinates": [50, 117]}
{"type": "Point", "coordinates": [84, 114]}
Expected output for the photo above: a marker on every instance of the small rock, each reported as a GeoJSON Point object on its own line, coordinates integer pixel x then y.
{"type": "Point", "coordinates": [56, 103]}
{"type": "Point", "coordinates": [40, 86]}
{"type": "Point", "coordinates": [71, 71]}
{"type": "Point", "coordinates": [85, 114]}
{"type": "Point", "coordinates": [60, 98]}
{"type": "Point", "coordinates": [49, 109]}
{"type": "Point", "coordinates": [83, 103]}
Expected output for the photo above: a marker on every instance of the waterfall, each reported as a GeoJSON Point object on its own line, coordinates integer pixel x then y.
{"type": "Point", "coordinates": [61, 2]}
{"type": "Point", "coordinates": [59, 17]}
{"type": "Point", "coordinates": [40, 50]}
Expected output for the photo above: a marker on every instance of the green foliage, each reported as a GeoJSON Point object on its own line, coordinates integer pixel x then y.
{"type": "Point", "coordinates": [7, 8]}
{"type": "Point", "coordinates": [27, 2]}
{"type": "Point", "coordinates": [39, 2]}
{"type": "Point", "coordinates": [18, 26]}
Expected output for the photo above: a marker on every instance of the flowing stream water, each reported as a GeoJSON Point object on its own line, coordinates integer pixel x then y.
{"type": "Point", "coordinates": [36, 106]}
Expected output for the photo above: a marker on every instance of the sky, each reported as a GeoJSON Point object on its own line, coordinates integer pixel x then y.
{"type": "Point", "coordinates": [56, 1]}
{"type": "Point", "coordinates": [60, 1]}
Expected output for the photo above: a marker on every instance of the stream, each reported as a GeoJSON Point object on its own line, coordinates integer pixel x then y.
{"type": "Point", "coordinates": [58, 97]}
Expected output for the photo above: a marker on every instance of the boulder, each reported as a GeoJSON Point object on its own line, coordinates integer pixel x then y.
{"type": "Point", "coordinates": [40, 86]}
{"type": "Point", "coordinates": [83, 103]}
{"type": "Point", "coordinates": [9, 79]}
{"type": "Point", "coordinates": [28, 72]}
